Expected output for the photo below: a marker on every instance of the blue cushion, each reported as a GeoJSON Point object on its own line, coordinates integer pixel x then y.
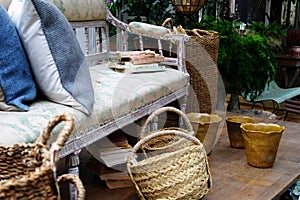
{"type": "Point", "coordinates": [15, 75]}
{"type": "Point", "coordinates": [57, 61]}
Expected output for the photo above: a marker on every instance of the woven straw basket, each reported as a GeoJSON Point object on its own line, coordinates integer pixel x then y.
{"type": "Point", "coordinates": [201, 63]}
{"type": "Point", "coordinates": [181, 174]}
{"type": "Point", "coordinates": [208, 39]}
{"type": "Point", "coordinates": [28, 170]}
{"type": "Point", "coordinates": [173, 163]}
{"type": "Point", "coordinates": [167, 143]}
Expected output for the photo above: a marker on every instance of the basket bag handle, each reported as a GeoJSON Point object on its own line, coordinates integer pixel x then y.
{"type": "Point", "coordinates": [161, 133]}
{"type": "Point", "coordinates": [186, 121]}
{"type": "Point", "coordinates": [170, 22]}
{"type": "Point", "coordinates": [77, 183]}
{"type": "Point", "coordinates": [58, 145]}
{"type": "Point", "coordinates": [202, 33]}
{"type": "Point", "coordinates": [62, 136]}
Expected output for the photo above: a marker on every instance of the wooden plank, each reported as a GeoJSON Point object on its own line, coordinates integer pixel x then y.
{"type": "Point", "coordinates": [292, 106]}
{"type": "Point", "coordinates": [233, 178]}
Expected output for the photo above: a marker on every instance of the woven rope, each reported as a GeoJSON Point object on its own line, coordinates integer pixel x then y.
{"type": "Point", "coordinates": [26, 170]}
{"type": "Point", "coordinates": [76, 181]}
{"type": "Point", "coordinates": [153, 115]}
{"type": "Point", "coordinates": [166, 143]}
{"type": "Point", "coordinates": [181, 174]}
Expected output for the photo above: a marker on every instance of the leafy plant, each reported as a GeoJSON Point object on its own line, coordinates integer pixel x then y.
{"type": "Point", "coordinates": [155, 11]}
{"type": "Point", "coordinates": [246, 61]}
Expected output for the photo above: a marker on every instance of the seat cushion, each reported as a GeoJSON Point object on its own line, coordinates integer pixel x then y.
{"type": "Point", "coordinates": [116, 94]}
{"type": "Point", "coordinates": [57, 61]}
{"type": "Point", "coordinates": [16, 81]}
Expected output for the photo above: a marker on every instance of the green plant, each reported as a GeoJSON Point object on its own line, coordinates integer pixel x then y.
{"type": "Point", "coordinates": [154, 11]}
{"type": "Point", "coordinates": [246, 61]}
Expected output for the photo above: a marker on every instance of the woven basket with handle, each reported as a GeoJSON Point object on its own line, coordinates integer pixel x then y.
{"type": "Point", "coordinates": [168, 142]}
{"type": "Point", "coordinates": [28, 171]}
{"type": "Point", "coordinates": [201, 63]}
{"type": "Point", "coordinates": [179, 174]}
{"type": "Point", "coordinates": [208, 39]}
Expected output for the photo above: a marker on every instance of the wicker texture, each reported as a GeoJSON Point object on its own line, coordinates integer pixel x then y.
{"type": "Point", "coordinates": [170, 142]}
{"type": "Point", "coordinates": [203, 79]}
{"type": "Point", "coordinates": [173, 164]}
{"type": "Point", "coordinates": [181, 174]}
{"type": "Point", "coordinates": [27, 171]}
{"type": "Point", "coordinates": [201, 63]}
{"type": "Point", "coordinates": [208, 39]}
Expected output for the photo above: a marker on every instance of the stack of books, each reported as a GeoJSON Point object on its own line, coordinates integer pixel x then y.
{"type": "Point", "coordinates": [138, 62]}
{"type": "Point", "coordinates": [113, 178]}
{"type": "Point", "coordinates": [108, 160]}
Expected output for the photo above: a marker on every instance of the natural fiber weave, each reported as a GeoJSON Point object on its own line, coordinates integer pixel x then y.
{"type": "Point", "coordinates": [204, 77]}
{"type": "Point", "coordinates": [208, 39]}
{"type": "Point", "coordinates": [27, 171]}
{"type": "Point", "coordinates": [201, 63]}
{"type": "Point", "coordinates": [181, 174]}
{"type": "Point", "coordinates": [167, 143]}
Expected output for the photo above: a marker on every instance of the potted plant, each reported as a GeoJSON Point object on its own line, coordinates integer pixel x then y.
{"type": "Point", "coordinates": [246, 61]}
{"type": "Point", "coordinates": [293, 42]}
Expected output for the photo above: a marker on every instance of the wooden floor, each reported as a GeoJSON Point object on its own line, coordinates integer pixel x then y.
{"type": "Point", "coordinates": [96, 189]}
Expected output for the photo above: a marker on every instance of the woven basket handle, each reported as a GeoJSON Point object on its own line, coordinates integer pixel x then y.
{"type": "Point", "coordinates": [158, 134]}
{"type": "Point", "coordinates": [201, 33]}
{"type": "Point", "coordinates": [168, 21]}
{"type": "Point", "coordinates": [186, 121]}
{"type": "Point", "coordinates": [77, 183]}
{"type": "Point", "coordinates": [64, 133]}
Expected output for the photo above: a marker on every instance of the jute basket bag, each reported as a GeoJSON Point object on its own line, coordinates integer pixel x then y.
{"type": "Point", "coordinates": [166, 143]}
{"type": "Point", "coordinates": [28, 171]}
{"type": "Point", "coordinates": [180, 174]}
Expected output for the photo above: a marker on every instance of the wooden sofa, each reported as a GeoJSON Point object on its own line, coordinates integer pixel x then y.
{"type": "Point", "coordinates": [120, 99]}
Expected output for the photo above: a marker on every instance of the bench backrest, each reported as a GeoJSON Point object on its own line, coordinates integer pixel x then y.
{"type": "Point", "coordinates": [80, 10]}
{"type": "Point", "coordinates": [90, 20]}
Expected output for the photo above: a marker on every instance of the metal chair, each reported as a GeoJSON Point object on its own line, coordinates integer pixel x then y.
{"type": "Point", "coordinates": [274, 93]}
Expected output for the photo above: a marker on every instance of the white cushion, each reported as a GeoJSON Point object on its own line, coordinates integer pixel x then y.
{"type": "Point", "coordinates": [56, 59]}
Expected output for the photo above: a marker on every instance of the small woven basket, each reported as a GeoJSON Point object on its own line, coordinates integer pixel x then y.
{"type": "Point", "coordinates": [166, 143]}
{"type": "Point", "coordinates": [180, 174]}
{"type": "Point", "coordinates": [28, 171]}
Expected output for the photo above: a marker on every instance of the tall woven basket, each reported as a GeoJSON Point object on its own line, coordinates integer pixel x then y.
{"type": "Point", "coordinates": [201, 64]}
{"type": "Point", "coordinates": [169, 163]}
{"type": "Point", "coordinates": [28, 170]}
{"type": "Point", "coordinates": [208, 39]}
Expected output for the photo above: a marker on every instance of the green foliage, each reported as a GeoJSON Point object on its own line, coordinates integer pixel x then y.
{"type": "Point", "coordinates": [246, 61]}
{"type": "Point", "coordinates": [155, 11]}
